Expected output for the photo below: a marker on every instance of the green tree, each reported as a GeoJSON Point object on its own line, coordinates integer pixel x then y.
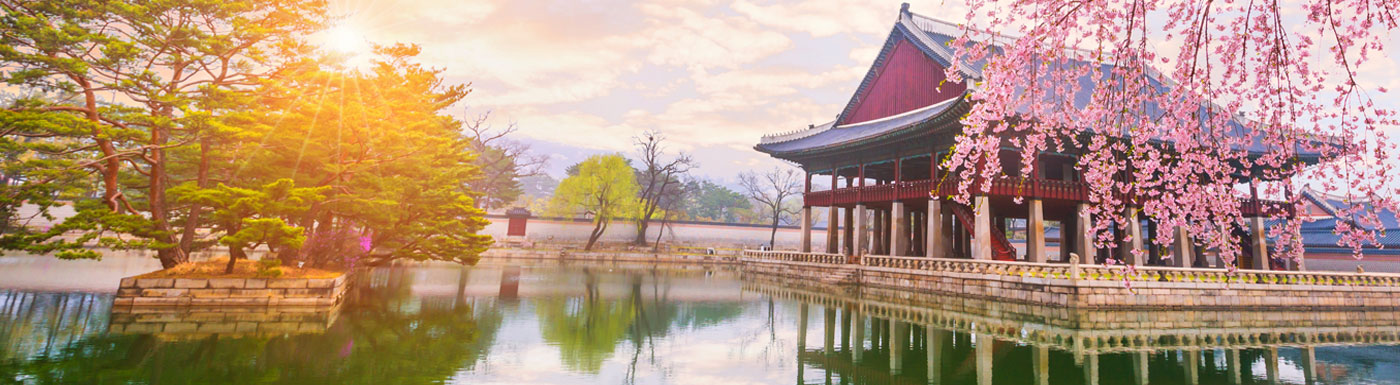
{"type": "Point", "coordinates": [249, 218]}
{"type": "Point", "coordinates": [168, 68]}
{"type": "Point", "coordinates": [604, 188]}
{"type": "Point", "coordinates": [710, 201]}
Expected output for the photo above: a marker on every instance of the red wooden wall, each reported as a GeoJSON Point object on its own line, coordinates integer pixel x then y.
{"type": "Point", "coordinates": [908, 80]}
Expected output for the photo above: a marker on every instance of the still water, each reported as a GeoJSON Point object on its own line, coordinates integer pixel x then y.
{"type": "Point", "coordinates": [562, 323]}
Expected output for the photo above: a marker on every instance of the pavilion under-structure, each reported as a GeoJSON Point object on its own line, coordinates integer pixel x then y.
{"type": "Point", "coordinates": [887, 197]}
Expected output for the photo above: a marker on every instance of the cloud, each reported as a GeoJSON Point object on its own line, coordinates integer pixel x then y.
{"type": "Point", "coordinates": [686, 38]}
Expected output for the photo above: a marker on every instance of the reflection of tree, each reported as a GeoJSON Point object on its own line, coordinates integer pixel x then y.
{"type": "Point", "coordinates": [383, 336]}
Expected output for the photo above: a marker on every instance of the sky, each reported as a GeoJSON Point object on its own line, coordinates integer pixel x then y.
{"type": "Point", "coordinates": [583, 77]}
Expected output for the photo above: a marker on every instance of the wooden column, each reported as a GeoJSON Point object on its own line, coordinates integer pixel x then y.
{"type": "Point", "coordinates": [806, 229]}
{"type": "Point", "coordinates": [1035, 232]}
{"type": "Point", "coordinates": [982, 234]}
{"type": "Point", "coordinates": [833, 220]}
{"type": "Point", "coordinates": [801, 338]}
{"type": "Point", "coordinates": [934, 247]}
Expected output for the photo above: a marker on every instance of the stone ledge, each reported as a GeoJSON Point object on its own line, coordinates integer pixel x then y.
{"type": "Point", "coordinates": [232, 292]}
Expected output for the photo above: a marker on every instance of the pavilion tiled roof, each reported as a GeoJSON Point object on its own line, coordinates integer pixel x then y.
{"type": "Point", "coordinates": [933, 37]}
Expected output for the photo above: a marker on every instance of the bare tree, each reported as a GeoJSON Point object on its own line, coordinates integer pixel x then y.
{"type": "Point", "coordinates": [656, 177]}
{"type": "Point", "coordinates": [770, 189]}
{"type": "Point", "coordinates": [503, 161]}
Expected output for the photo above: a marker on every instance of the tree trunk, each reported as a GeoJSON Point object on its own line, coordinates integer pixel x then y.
{"type": "Point", "coordinates": [598, 229]}
{"type": "Point", "coordinates": [235, 253]}
{"type": "Point", "coordinates": [112, 164]}
{"type": "Point", "coordinates": [773, 235]}
{"type": "Point", "coordinates": [192, 221]}
{"type": "Point", "coordinates": [169, 256]}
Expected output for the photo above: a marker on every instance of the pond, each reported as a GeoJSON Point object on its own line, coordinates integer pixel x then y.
{"type": "Point", "coordinates": [508, 322]}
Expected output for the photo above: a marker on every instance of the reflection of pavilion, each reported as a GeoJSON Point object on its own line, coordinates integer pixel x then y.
{"type": "Point", "coordinates": [885, 336]}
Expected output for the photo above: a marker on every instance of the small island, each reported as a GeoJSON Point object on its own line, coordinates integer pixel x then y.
{"type": "Point", "coordinates": [251, 283]}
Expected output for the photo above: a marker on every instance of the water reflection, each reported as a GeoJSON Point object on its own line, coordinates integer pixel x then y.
{"type": "Point", "coordinates": [599, 323]}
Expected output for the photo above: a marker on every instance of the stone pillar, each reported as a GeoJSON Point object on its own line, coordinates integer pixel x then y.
{"type": "Point", "coordinates": [1260, 261]}
{"type": "Point", "coordinates": [936, 339]}
{"type": "Point", "coordinates": [1091, 369]}
{"type": "Point", "coordinates": [1271, 364]}
{"type": "Point", "coordinates": [899, 340]}
{"type": "Point", "coordinates": [899, 234]}
{"type": "Point", "coordinates": [936, 243]}
{"type": "Point", "coordinates": [1084, 238]}
{"type": "Point", "coordinates": [1192, 364]}
{"type": "Point", "coordinates": [829, 341]}
{"type": "Point", "coordinates": [858, 347]}
{"type": "Point", "coordinates": [1040, 360]}
{"type": "Point", "coordinates": [877, 332]}
{"type": "Point", "coordinates": [849, 232]}
{"type": "Point", "coordinates": [846, 320]}
{"type": "Point", "coordinates": [1140, 368]}
{"type": "Point", "coordinates": [862, 233]}
{"type": "Point", "coordinates": [801, 338]}
{"type": "Point", "coordinates": [1182, 254]}
{"type": "Point", "coordinates": [983, 351]}
{"type": "Point", "coordinates": [1309, 362]}
{"type": "Point", "coordinates": [877, 229]}
{"type": "Point", "coordinates": [806, 229]}
{"type": "Point", "coordinates": [1232, 365]}
{"type": "Point", "coordinates": [833, 230]}
{"type": "Point", "coordinates": [1035, 232]}
{"type": "Point", "coordinates": [1133, 228]}
{"type": "Point", "coordinates": [982, 234]}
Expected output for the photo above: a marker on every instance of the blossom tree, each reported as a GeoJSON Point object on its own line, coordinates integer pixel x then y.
{"type": "Point", "coordinates": [1189, 101]}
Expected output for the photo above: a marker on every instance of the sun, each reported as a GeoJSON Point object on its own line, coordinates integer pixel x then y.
{"type": "Point", "coordinates": [346, 40]}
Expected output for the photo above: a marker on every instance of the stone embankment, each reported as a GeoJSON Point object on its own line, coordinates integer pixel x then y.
{"type": "Point", "coordinates": [696, 256]}
{"type": "Point", "coordinates": [231, 291]}
{"type": "Point", "coordinates": [1077, 285]}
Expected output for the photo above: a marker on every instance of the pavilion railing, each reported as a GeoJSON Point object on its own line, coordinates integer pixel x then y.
{"type": "Point", "coordinates": [1096, 272]}
{"type": "Point", "coordinates": [795, 256]}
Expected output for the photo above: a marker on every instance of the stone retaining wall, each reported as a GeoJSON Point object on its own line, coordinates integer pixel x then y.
{"type": "Point", "coordinates": [186, 323]}
{"type": "Point", "coordinates": [606, 256]}
{"type": "Point", "coordinates": [230, 291]}
{"type": "Point", "coordinates": [1104, 294]}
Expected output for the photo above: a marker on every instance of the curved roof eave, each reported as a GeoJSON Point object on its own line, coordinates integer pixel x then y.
{"type": "Point", "coordinates": [864, 132]}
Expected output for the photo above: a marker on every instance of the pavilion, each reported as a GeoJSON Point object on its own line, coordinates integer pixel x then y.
{"type": "Point", "coordinates": [888, 197]}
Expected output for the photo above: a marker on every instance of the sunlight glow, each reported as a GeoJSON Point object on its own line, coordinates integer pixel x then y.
{"type": "Point", "coordinates": [346, 40]}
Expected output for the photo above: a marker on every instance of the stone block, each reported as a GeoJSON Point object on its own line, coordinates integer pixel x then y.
{"type": "Point", "coordinates": [160, 301]}
{"type": "Point", "coordinates": [163, 292]}
{"type": "Point", "coordinates": [255, 283]}
{"type": "Point", "coordinates": [128, 282]}
{"type": "Point", "coordinates": [129, 292]}
{"type": "Point", "coordinates": [249, 293]}
{"type": "Point", "coordinates": [123, 301]}
{"type": "Point", "coordinates": [218, 327]}
{"type": "Point", "coordinates": [289, 283]}
{"type": "Point", "coordinates": [191, 283]}
{"type": "Point", "coordinates": [209, 293]}
{"type": "Point", "coordinates": [246, 327]}
{"type": "Point", "coordinates": [226, 283]}
{"type": "Point", "coordinates": [320, 283]}
{"type": "Point", "coordinates": [279, 327]}
{"type": "Point", "coordinates": [181, 327]}
{"type": "Point", "coordinates": [306, 293]}
{"type": "Point", "coordinates": [155, 283]}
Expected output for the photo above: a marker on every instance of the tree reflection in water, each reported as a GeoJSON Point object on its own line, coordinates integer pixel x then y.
{"type": "Point", "coordinates": [384, 335]}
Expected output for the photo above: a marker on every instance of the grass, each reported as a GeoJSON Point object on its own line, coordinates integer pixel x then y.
{"type": "Point", "coordinates": [214, 268]}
